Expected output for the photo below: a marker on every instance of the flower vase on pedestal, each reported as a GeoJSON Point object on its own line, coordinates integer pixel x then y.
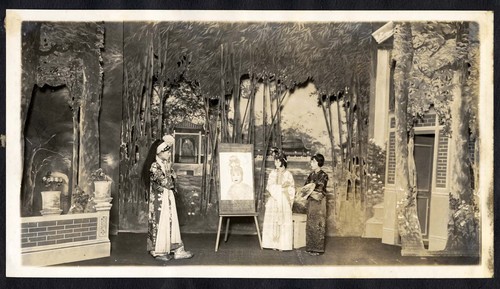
{"type": "Point", "coordinates": [51, 203]}
{"type": "Point", "coordinates": [102, 190]}
{"type": "Point", "coordinates": [102, 194]}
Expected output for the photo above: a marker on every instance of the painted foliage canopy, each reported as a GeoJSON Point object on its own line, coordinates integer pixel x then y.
{"type": "Point", "coordinates": [205, 52]}
{"type": "Point", "coordinates": [439, 48]}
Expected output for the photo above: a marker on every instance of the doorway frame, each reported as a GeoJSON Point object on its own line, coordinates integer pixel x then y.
{"type": "Point", "coordinates": [428, 131]}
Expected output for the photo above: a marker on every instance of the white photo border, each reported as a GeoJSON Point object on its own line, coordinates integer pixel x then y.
{"type": "Point", "coordinates": [14, 268]}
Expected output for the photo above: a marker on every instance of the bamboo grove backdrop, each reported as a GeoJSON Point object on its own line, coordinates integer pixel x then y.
{"type": "Point", "coordinates": [206, 64]}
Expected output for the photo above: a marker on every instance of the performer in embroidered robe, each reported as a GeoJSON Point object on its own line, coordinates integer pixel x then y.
{"type": "Point", "coordinates": [316, 207]}
{"type": "Point", "coordinates": [164, 236]}
{"type": "Point", "coordinates": [278, 227]}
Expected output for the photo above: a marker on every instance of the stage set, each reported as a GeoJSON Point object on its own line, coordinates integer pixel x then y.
{"type": "Point", "coordinates": [249, 108]}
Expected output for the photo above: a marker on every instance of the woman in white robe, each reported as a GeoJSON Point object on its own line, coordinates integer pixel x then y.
{"type": "Point", "coordinates": [278, 226]}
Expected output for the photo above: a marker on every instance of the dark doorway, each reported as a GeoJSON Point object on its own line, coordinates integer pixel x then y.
{"type": "Point", "coordinates": [424, 154]}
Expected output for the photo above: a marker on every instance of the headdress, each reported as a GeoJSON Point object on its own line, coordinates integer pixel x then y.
{"type": "Point", "coordinates": [166, 145]}
{"type": "Point", "coordinates": [234, 161]}
{"type": "Point", "coordinates": [278, 154]}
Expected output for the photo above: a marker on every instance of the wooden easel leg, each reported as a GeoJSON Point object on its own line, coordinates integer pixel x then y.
{"type": "Point", "coordinates": [218, 234]}
{"type": "Point", "coordinates": [258, 231]}
{"type": "Point", "coordinates": [227, 229]}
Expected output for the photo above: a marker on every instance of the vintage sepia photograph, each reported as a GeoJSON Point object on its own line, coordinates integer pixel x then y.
{"type": "Point", "coordinates": [322, 144]}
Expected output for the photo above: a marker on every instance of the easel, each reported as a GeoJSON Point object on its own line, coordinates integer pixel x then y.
{"type": "Point", "coordinates": [228, 216]}
{"type": "Point", "coordinates": [244, 207]}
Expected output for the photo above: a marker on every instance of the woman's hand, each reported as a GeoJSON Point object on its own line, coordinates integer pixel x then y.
{"type": "Point", "coordinates": [286, 184]}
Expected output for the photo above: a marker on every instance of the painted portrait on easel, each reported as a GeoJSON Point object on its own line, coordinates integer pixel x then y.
{"type": "Point", "coordinates": [236, 174]}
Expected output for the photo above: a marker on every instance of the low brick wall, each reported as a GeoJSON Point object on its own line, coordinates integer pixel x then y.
{"type": "Point", "coordinates": [55, 239]}
{"type": "Point", "coordinates": [57, 232]}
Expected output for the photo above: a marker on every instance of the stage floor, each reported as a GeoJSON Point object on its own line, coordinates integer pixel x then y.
{"type": "Point", "coordinates": [130, 249]}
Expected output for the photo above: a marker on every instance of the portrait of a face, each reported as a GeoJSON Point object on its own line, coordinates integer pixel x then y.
{"type": "Point", "coordinates": [236, 176]}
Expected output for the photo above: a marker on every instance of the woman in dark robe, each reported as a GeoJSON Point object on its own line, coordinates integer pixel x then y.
{"type": "Point", "coordinates": [164, 236]}
{"type": "Point", "coordinates": [316, 207]}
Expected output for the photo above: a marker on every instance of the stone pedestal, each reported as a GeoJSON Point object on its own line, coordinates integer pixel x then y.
{"type": "Point", "coordinates": [103, 204]}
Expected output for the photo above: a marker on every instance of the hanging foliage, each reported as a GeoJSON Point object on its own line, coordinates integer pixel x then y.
{"type": "Point", "coordinates": [328, 53]}
{"type": "Point", "coordinates": [182, 101]}
{"type": "Point", "coordinates": [439, 46]}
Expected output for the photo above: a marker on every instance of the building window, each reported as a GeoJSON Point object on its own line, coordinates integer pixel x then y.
{"type": "Point", "coordinates": [392, 94]}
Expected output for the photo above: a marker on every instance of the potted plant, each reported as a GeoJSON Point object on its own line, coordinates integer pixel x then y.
{"type": "Point", "coordinates": [83, 202]}
{"type": "Point", "coordinates": [102, 185]}
{"type": "Point", "coordinates": [51, 199]}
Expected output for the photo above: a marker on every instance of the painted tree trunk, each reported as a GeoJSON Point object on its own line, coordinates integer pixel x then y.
{"type": "Point", "coordinates": [205, 185]}
{"type": "Point", "coordinates": [29, 75]}
{"type": "Point", "coordinates": [253, 94]}
{"type": "Point", "coordinates": [262, 179]}
{"type": "Point", "coordinates": [360, 142]}
{"type": "Point", "coordinates": [408, 223]}
{"type": "Point", "coordinates": [76, 147]}
{"type": "Point", "coordinates": [463, 225]}
{"type": "Point", "coordinates": [236, 98]}
{"type": "Point", "coordinates": [125, 148]}
{"type": "Point", "coordinates": [460, 183]}
{"type": "Point", "coordinates": [29, 189]}
{"type": "Point", "coordinates": [222, 100]}
{"type": "Point", "coordinates": [347, 109]}
{"type": "Point", "coordinates": [89, 142]}
{"type": "Point", "coordinates": [146, 106]}
{"type": "Point", "coordinates": [324, 108]}
{"type": "Point", "coordinates": [278, 123]}
{"type": "Point", "coordinates": [157, 131]}
{"type": "Point", "coordinates": [272, 128]}
{"type": "Point", "coordinates": [327, 114]}
{"type": "Point", "coordinates": [339, 122]}
{"type": "Point", "coordinates": [332, 139]}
